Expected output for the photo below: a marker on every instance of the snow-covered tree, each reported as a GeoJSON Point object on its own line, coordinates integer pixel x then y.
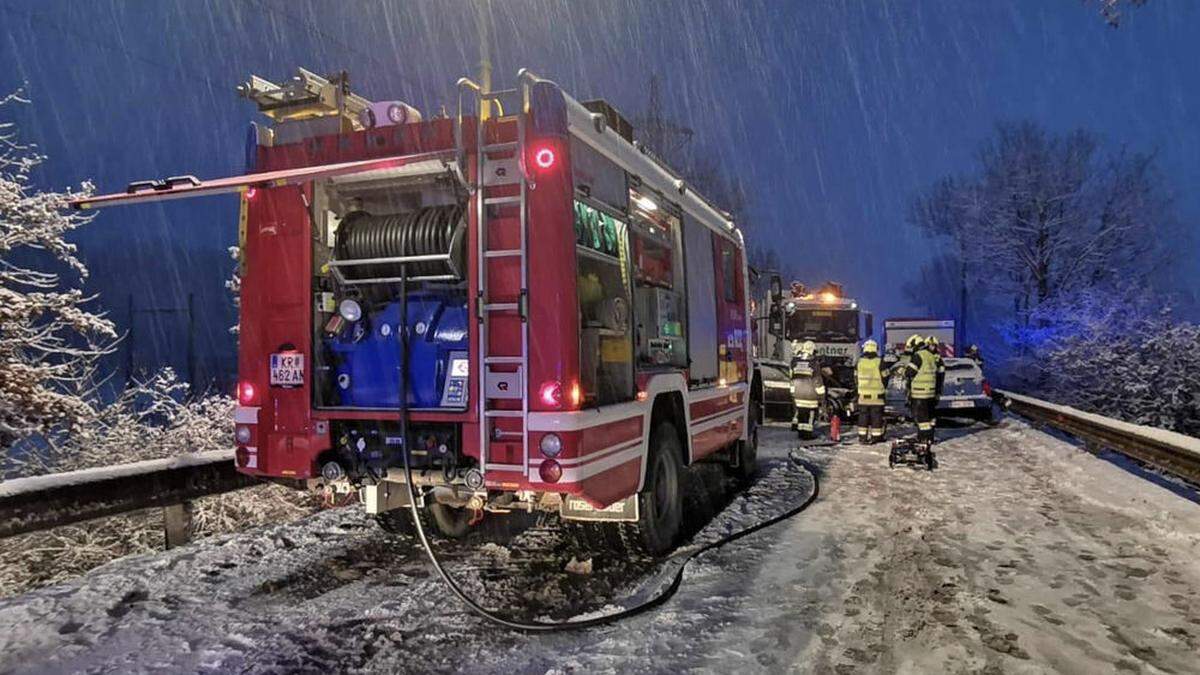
{"type": "Point", "coordinates": [49, 336]}
{"type": "Point", "coordinates": [1046, 215]}
{"type": "Point", "coordinates": [1117, 352]}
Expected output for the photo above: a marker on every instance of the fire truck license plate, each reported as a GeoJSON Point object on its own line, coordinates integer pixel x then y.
{"type": "Point", "coordinates": [287, 370]}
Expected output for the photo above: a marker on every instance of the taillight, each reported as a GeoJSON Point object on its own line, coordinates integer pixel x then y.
{"type": "Point", "coordinates": [242, 434]}
{"type": "Point", "coordinates": [551, 394]}
{"type": "Point", "coordinates": [550, 471]}
{"type": "Point", "coordinates": [247, 393]}
{"type": "Point", "coordinates": [987, 388]}
{"type": "Point", "coordinates": [544, 157]}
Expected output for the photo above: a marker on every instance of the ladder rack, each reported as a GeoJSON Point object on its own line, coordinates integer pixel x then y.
{"type": "Point", "coordinates": [499, 373]}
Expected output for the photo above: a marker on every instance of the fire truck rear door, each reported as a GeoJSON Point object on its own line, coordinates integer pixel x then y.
{"type": "Point", "coordinates": [178, 187]}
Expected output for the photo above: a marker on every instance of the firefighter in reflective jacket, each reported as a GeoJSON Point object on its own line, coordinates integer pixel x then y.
{"type": "Point", "coordinates": [869, 376]}
{"type": "Point", "coordinates": [922, 389]}
{"type": "Point", "coordinates": [808, 388]}
{"type": "Point", "coordinates": [935, 347]}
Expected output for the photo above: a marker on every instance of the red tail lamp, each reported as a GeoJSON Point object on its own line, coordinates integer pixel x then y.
{"type": "Point", "coordinates": [551, 394]}
{"type": "Point", "coordinates": [550, 471]}
{"type": "Point", "coordinates": [247, 393]}
{"type": "Point", "coordinates": [544, 157]}
{"type": "Point", "coordinates": [987, 388]}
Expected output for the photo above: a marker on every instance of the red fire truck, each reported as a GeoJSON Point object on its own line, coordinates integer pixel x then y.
{"type": "Point", "coordinates": [575, 314]}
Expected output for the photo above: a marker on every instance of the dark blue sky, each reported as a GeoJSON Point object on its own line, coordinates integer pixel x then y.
{"type": "Point", "coordinates": [833, 113]}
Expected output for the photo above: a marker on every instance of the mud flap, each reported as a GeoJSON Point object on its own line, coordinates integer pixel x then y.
{"type": "Point", "coordinates": [575, 508]}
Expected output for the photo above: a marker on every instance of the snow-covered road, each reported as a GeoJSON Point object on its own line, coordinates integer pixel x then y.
{"type": "Point", "coordinates": [1020, 554]}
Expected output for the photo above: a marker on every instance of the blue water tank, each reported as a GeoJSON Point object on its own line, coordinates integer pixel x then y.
{"type": "Point", "coordinates": [367, 353]}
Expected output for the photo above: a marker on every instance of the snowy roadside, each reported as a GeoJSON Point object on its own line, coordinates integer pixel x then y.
{"type": "Point", "coordinates": [329, 592]}
{"type": "Point", "coordinates": [1020, 554]}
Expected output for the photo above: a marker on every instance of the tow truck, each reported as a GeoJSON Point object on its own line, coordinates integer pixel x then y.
{"type": "Point", "coordinates": [833, 321]}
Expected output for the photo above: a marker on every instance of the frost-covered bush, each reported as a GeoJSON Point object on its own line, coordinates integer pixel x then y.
{"type": "Point", "coordinates": [152, 419]}
{"type": "Point", "coordinates": [1116, 354]}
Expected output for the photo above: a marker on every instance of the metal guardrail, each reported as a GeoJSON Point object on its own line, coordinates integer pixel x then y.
{"type": "Point", "coordinates": [42, 502]}
{"type": "Point", "coordinates": [1169, 451]}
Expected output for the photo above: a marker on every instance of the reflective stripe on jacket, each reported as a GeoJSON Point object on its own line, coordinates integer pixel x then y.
{"type": "Point", "coordinates": [924, 382]}
{"type": "Point", "coordinates": [869, 378]}
{"type": "Point", "coordinates": [807, 384]}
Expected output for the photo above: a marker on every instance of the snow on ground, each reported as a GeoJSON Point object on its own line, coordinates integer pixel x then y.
{"type": "Point", "coordinates": [1020, 554]}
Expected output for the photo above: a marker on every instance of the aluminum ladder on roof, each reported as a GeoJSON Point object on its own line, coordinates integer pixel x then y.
{"type": "Point", "coordinates": [493, 382]}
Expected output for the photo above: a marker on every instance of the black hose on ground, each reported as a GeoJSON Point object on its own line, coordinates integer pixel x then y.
{"type": "Point", "coordinates": [544, 626]}
{"type": "Point", "coordinates": [552, 626]}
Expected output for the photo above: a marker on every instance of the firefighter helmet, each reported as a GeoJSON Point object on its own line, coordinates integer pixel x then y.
{"type": "Point", "coordinates": [807, 349]}
{"type": "Point", "coordinates": [870, 347]}
{"type": "Point", "coordinates": [914, 342]}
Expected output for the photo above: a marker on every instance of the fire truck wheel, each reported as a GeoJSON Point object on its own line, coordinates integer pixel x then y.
{"type": "Point", "coordinates": [660, 503]}
{"type": "Point", "coordinates": [747, 453]}
{"type": "Point", "coordinates": [399, 521]}
{"type": "Point", "coordinates": [438, 520]}
{"type": "Point", "coordinates": [451, 522]}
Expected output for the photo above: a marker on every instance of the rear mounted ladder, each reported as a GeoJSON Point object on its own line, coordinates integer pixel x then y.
{"type": "Point", "coordinates": [503, 393]}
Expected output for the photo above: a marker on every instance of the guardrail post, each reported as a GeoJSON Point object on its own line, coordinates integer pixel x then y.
{"type": "Point", "coordinates": [177, 524]}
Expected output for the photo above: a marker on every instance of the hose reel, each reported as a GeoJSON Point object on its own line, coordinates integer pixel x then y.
{"type": "Point", "coordinates": [370, 249]}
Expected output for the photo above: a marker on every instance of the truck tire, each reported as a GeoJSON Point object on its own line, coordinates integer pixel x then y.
{"type": "Point", "coordinates": [746, 453]}
{"type": "Point", "coordinates": [660, 503]}
{"type": "Point", "coordinates": [438, 520]}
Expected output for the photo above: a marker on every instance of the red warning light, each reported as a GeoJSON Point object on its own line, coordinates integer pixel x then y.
{"type": "Point", "coordinates": [551, 393]}
{"type": "Point", "coordinates": [544, 157]}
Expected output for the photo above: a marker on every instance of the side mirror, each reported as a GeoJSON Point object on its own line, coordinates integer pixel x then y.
{"type": "Point", "coordinates": [776, 288]}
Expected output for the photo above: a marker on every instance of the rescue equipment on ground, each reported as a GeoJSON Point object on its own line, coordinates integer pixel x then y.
{"type": "Point", "coordinates": [912, 452]}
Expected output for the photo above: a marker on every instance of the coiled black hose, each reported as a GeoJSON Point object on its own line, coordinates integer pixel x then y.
{"type": "Point", "coordinates": [433, 230]}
